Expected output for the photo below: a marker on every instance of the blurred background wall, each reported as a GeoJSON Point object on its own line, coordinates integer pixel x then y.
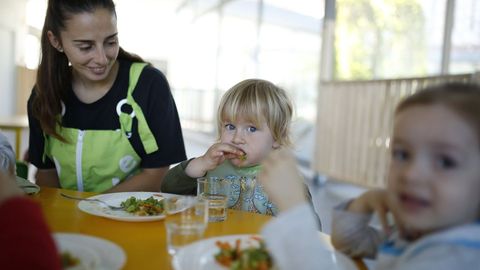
{"type": "Point", "coordinates": [206, 46]}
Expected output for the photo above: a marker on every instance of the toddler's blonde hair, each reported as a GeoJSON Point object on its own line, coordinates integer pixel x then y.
{"type": "Point", "coordinates": [258, 100]}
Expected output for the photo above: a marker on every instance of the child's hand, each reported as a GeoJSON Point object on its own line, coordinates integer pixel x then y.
{"type": "Point", "coordinates": [214, 156]}
{"type": "Point", "coordinates": [373, 201]}
{"type": "Point", "coordinates": [282, 180]}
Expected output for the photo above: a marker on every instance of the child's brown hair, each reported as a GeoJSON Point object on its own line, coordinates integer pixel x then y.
{"type": "Point", "coordinates": [462, 98]}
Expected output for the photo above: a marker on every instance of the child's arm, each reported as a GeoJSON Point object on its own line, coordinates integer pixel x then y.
{"type": "Point", "coordinates": [292, 237]}
{"type": "Point", "coordinates": [177, 182]}
{"type": "Point", "coordinates": [351, 232]}
{"type": "Point", "coordinates": [372, 201]}
{"type": "Point", "coordinates": [214, 156]}
{"type": "Point", "coordinates": [282, 180]}
{"type": "Point", "coordinates": [25, 240]}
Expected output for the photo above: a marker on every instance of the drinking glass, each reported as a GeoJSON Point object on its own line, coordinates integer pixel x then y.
{"type": "Point", "coordinates": [185, 222]}
{"type": "Point", "coordinates": [215, 190]}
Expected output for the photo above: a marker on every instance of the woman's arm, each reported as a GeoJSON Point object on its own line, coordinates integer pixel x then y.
{"type": "Point", "coordinates": [36, 147]}
{"type": "Point", "coordinates": [147, 180]}
{"type": "Point", "coordinates": [47, 178]}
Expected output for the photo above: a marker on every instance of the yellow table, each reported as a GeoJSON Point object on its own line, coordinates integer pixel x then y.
{"type": "Point", "coordinates": [16, 124]}
{"type": "Point", "coordinates": [143, 242]}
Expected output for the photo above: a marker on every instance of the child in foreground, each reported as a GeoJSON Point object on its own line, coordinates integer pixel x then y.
{"type": "Point", "coordinates": [253, 119]}
{"type": "Point", "coordinates": [25, 239]}
{"type": "Point", "coordinates": [432, 193]}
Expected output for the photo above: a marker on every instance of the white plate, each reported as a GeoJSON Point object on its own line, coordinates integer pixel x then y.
{"type": "Point", "coordinates": [98, 209]}
{"type": "Point", "coordinates": [93, 252]}
{"type": "Point", "coordinates": [200, 255]}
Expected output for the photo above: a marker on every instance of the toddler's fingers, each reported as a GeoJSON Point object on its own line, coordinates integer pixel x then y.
{"type": "Point", "coordinates": [221, 159]}
{"type": "Point", "coordinates": [229, 149]}
{"type": "Point", "coordinates": [216, 154]}
{"type": "Point", "coordinates": [230, 156]}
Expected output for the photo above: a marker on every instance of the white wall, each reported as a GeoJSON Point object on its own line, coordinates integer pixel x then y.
{"type": "Point", "coordinates": [7, 72]}
{"type": "Point", "coordinates": [12, 29]}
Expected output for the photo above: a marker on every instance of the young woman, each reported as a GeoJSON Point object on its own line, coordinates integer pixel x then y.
{"type": "Point", "coordinates": [101, 119]}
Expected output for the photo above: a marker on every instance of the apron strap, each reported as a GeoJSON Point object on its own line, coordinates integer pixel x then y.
{"type": "Point", "coordinates": [146, 135]}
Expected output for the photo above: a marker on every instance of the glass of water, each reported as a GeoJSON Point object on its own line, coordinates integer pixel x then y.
{"type": "Point", "coordinates": [185, 222]}
{"type": "Point", "coordinates": [214, 190]}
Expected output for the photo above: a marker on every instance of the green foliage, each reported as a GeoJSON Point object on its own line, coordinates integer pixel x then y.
{"type": "Point", "coordinates": [379, 39]}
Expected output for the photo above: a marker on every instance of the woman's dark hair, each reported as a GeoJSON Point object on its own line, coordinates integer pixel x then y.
{"type": "Point", "coordinates": [54, 76]}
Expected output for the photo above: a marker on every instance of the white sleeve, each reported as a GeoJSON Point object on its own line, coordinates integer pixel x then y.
{"type": "Point", "coordinates": [293, 240]}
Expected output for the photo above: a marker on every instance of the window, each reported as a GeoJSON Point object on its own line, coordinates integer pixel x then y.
{"type": "Point", "coordinates": [465, 51]}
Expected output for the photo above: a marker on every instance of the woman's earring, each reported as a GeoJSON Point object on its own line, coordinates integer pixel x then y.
{"type": "Point", "coordinates": [60, 49]}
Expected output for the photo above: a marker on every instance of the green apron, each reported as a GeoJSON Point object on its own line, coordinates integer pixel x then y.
{"type": "Point", "coordinates": [97, 160]}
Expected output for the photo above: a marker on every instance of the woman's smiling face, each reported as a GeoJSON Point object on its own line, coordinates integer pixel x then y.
{"type": "Point", "coordinates": [90, 42]}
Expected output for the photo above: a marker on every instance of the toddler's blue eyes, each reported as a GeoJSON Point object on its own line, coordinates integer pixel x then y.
{"type": "Point", "coordinates": [229, 127]}
{"type": "Point", "coordinates": [252, 129]}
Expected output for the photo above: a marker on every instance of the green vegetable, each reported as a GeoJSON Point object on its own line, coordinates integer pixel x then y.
{"type": "Point", "coordinates": [251, 258]}
{"type": "Point", "coordinates": [148, 207]}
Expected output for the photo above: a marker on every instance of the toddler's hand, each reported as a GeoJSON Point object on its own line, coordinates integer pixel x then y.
{"type": "Point", "coordinates": [214, 156]}
{"type": "Point", "coordinates": [282, 180]}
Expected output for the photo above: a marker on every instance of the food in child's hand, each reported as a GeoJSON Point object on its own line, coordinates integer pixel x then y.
{"type": "Point", "coordinates": [139, 207]}
{"type": "Point", "coordinates": [251, 258]}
